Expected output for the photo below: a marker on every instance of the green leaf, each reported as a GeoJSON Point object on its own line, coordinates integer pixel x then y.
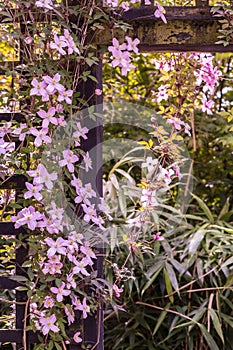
{"type": "Point", "coordinates": [152, 276]}
{"type": "Point", "coordinates": [216, 324]}
{"type": "Point", "coordinates": [19, 278]}
{"type": "Point", "coordinates": [198, 316]}
{"type": "Point", "coordinates": [204, 207]}
{"type": "Point", "coordinates": [58, 347]}
{"type": "Point", "coordinates": [161, 319]}
{"type": "Point", "coordinates": [227, 262]}
{"type": "Point", "coordinates": [21, 288]}
{"type": "Point", "coordinates": [168, 285]}
{"type": "Point", "coordinates": [196, 241]}
{"type": "Point", "coordinates": [208, 337]}
{"type": "Point", "coordinates": [172, 276]}
{"type": "Point", "coordinates": [51, 345]}
{"type": "Point", "coordinates": [27, 264]}
{"type": "Point", "coordinates": [225, 209]}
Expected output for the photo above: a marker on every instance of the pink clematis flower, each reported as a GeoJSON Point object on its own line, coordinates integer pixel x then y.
{"type": "Point", "coordinates": [70, 316]}
{"type": "Point", "coordinates": [117, 290]}
{"type": "Point", "coordinates": [61, 292]}
{"type": "Point", "coordinates": [48, 302]}
{"type": "Point", "coordinates": [39, 89]}
{"type": "Point", "coordinates": [42, 176]}
{"type": "Point", "coordinates": [58, 246]}
{"type": "Point", "coordinates": [83, 307]}
{"type": "Point", "coordinates": [65, 95]}
{"type": "Point", "coordinates": [53, 84]}
{"type": "Point", "coordinates": [41, 136]}
{"type": "Point", "coordinates": [19, 131]}
{"type": "Point", "coordinates": [69, 159]}
{"type": "Point", "coordinates": [116, 47]}
{"type": "Point", "coordinates": [58, 44]}
{"type": "Point", "coordinates": [46, 4]}
{"type": "Point", "coordinates": [27, 216]}
{"type": "Point", "coordinates": [77, 338]}
{"type": "Point", "coordinates": [80, 268]}
{"type": "Point", "coordinates": [48, 324]}
{"type": "Point", "coordinates": [159, 13]}
{"type": "Point", "coordinates": [48, 117]}
{"type": "Point", "coordinates": [132, 44]}
{"type": "Point", "coordinates": [33, 191]}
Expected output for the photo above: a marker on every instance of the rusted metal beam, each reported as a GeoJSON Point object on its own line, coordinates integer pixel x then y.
{"type": "Point", "coordinates": [187, 29]}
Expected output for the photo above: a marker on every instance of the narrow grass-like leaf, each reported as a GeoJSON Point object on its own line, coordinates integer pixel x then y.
{"type": "Point", "coordinates": [196, 241]}
{"type": "Point", "coordinates": [168, 285]}
{"type": "Point", "coordinates": [204, 207]}
{"type": "Point", "coordinates": [153, 277]}
{"type": "Point", "coordinates": [216, 324]}
{"type": "Point", "coordinates": [208, 337]}
{"type": "Point", "coordinates": [160, 319]}
{"type": "Point", "coordinates": [172, 276]}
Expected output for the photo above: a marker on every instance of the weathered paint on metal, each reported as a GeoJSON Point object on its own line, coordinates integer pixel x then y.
{"type": "Point", "coordinates": [187, 29]}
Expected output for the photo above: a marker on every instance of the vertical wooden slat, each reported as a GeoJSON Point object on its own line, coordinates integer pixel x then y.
{"type": "Point", "coordinates": [93, 326]}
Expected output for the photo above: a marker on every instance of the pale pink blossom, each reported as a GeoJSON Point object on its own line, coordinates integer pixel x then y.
{"type": "Point", "coordinates": [80, 132]}
{"type": "Point", "coordinates": [125, 5]}
{"type": "Point", "coordinates": [53, 84]}
{"type": "Point", "coordinates": [70, 315]}
{"type": "Point", "coordinates": [70, 42]}
{"type": "Point", "coordinates": [58, 246]}
{"type": "Point", "coordinates": [48, 117]}
{"type": "Point", "coordinates": [83, 307]}
{"type": "Point", "coordinates": [117, 290]}
{"type": "Point", "coordinates": [150, 163]}
{"type": "Point", "coordinates": [28, 40]}
{"type": "Point", "coordinates": [165, 175]}
{"type": "Point", "coordinates": [116, 46]}
{"type": "Point", "coordinates": [5, 129]}
{"type": "Point", "coordinates": [58, 44]}
{"type": "Point", "coordinates": [65, 95]}
{"type": "Point", "coordinates": [162, 93]}
{"type": "Point", "coordinates": [42, 176]}
{"type": "Point", "coordinates": [177, 122]}
{"type": "Point", "coordinates": [69, 159]}
{"type": "Point", "coordinates": [52, 267]}
{"type": "Point", "coordinates": [132, 44]}
{"type": "Point", "coordinates": [60, 292]}
{"type": "Point", "coordinates": [89, 211]}
{"type": "Point", "coordinates": [48, 324]}
{"type": "Point", "coordinates": [98, 92]}
{"type": "Point", "coordinates": [77, 338]}
{"type": "Point", "coordinates": [48, 302]}
{"type": "Point", "coordinates": [207, 106]}
{"type": "Point", "coordinates": [55, 213]}
{"type": "Point", "coordinates": [46, 4]}
{"type": "Point", "coordinates": [112, 3]}
{"type": "Point", "coordinates": [159, 13]}
{"type": "Point", "coordinates": [87, 161]}
{"type": "Point", "coordinates": [33, 191]}
{"type": "Point", "coordinates": [157, 237]}
{"type": "Point", "coordinates": [176, 168]}
{"type": "Point", "coordinates": [19, 131]}
{"type": "Point", "coordinates": [70, 281]}
{"type": "Point", "coordinates": [80, 268]}
{"type": "Point", "coordinates": [149, 198]}
{"type": "Point", "coordinates": [41, 136]}
{"type": "Point", "coordinates": [39, 89]}
{"type": "Point", "coordinates": [27, 216]}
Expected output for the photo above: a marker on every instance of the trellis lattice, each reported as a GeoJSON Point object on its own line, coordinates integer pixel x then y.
{"type": "Point", "coordinates": [188, 29]}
